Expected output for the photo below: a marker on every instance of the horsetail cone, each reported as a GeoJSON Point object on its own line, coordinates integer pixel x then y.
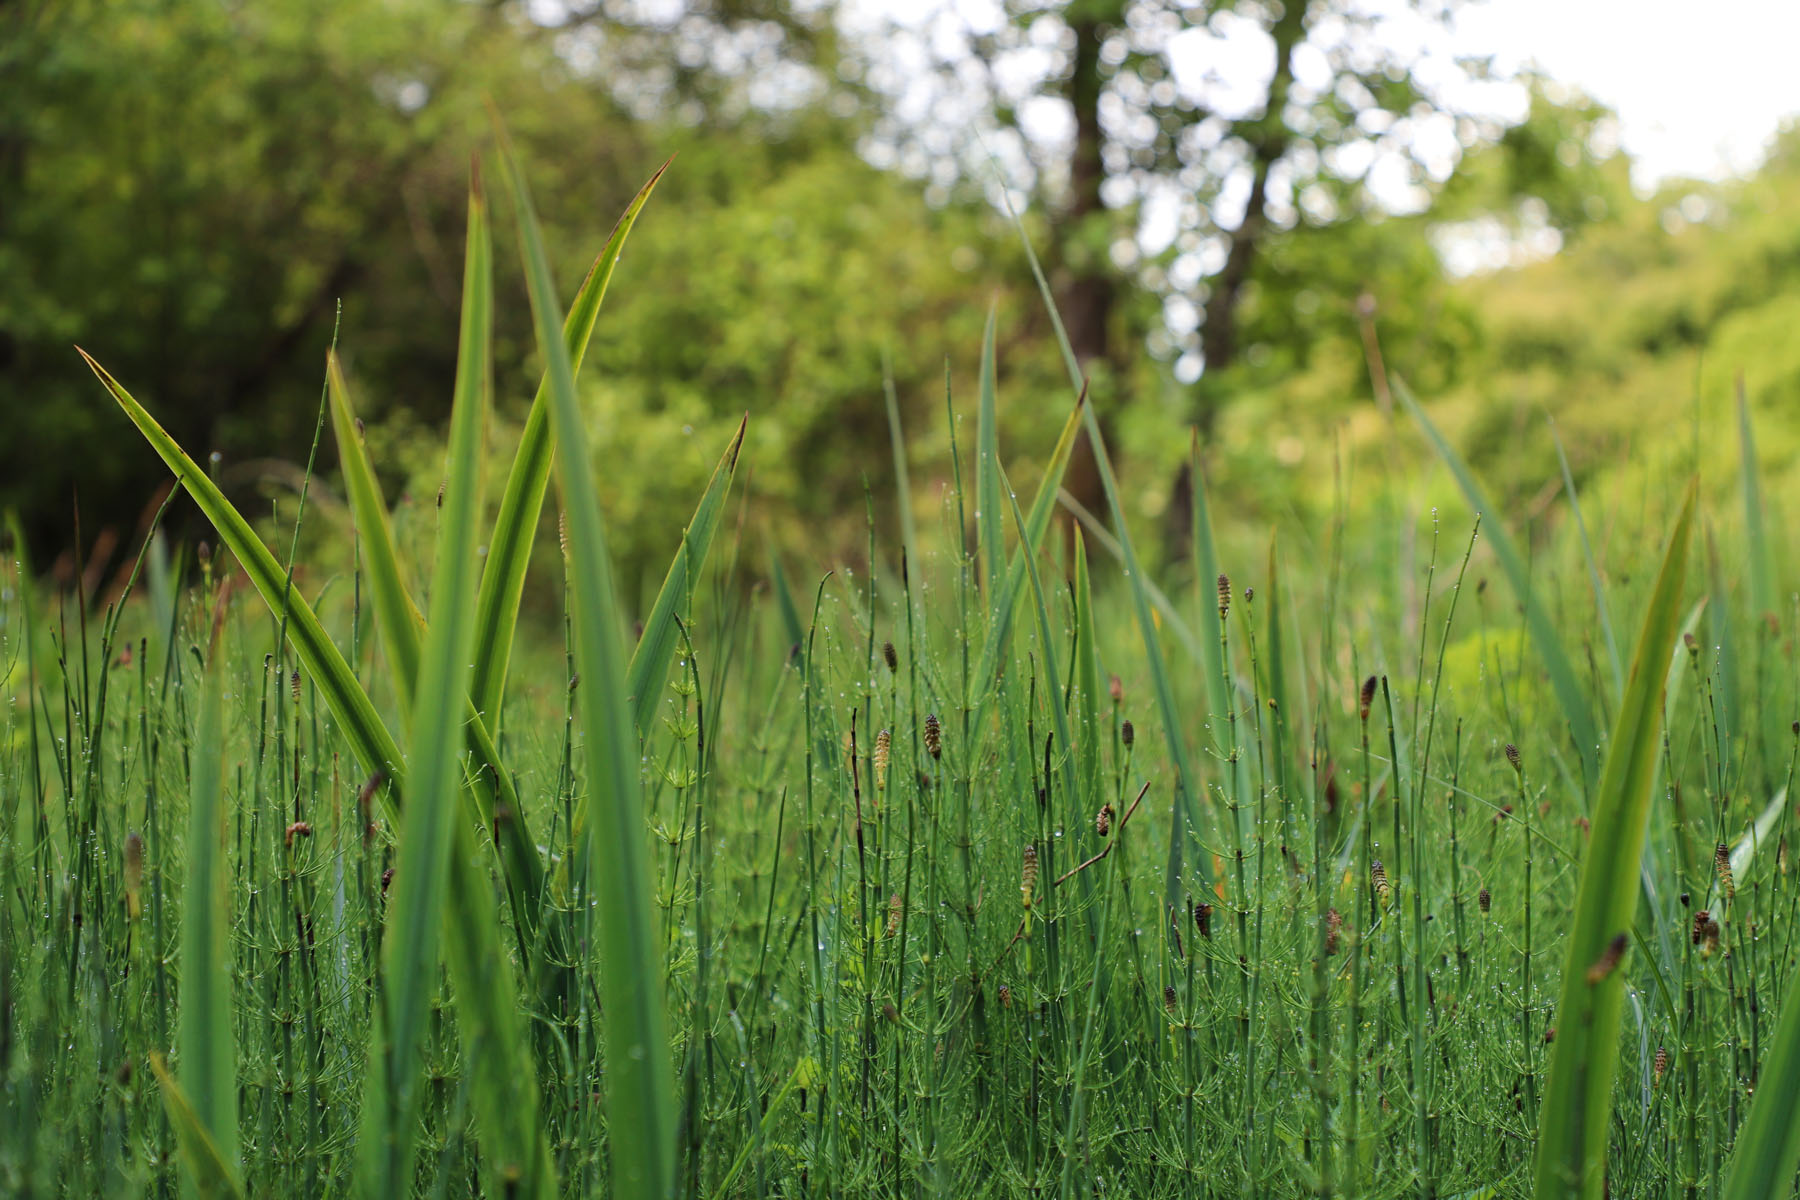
{"type": "Point", "coordinates": [1660, 1064]}
{"type": "Point", "coordinates": [1722, 864]}
{"type": "Point", "coordinates": [1127, 734]}
{"type": "Point", "coordinates": [884, 744]}
{"type": "Point", "coordinates": [134, 874]}
{"type": "Point", "coordinates": [1334, 927]}
{"type": "Point", "coordinates": [893, 920]}
{"type": "Point", "coordinates": [890, 656]}
{"type": "Point", "coordinates": [1512, 756]}
{"type": "Point", "coordinates": [1203, 920]}
{"type": "Point", "coordinates": [1484, 899]}
{"type": "Point", "coordinates": [1103, 820]}
{"type": "Point", "coordinates": [1224, 595]}
{"type": "Point", "coordinates": [1169, 998]}
{"type": "Point", "coordinates": [1028, 874]}
{"type": "Point", "coordinates": [1379, 877]}
{"type": "Point", "coordinates": [934, 736]}
{"type": "Point", "coordinates": [1365, 699]}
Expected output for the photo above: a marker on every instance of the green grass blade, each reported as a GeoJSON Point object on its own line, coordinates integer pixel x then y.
{"type": "Point", "coordinates": [417, 907]}
{"type": "Point", "coordinates": [401, 627]}
{"type": "Point", "coordinates": [1574, 1121]}
{"type": "Point", "coordinates": [1768, 1147]}
{"type": "Point", "coordinates": [1187, 781]}
{"type": "Point", "coordinates": [206, 1173]}
{"type": "Point", "coordinates": [204, 1035]}
{"type": "Point", "coordinates": [1037, 524]}
{"type": "Point", "coordinates": [909, 534]}
{"type": "Point", "coordinates": [349, 703]}
{"type": "Point", "coordinates": [1575, 709]}
{"type": "Point", "coordinates": [1762, 585]}
{"type": "Point", "coordinates": [649, 667]}
{"type": "Point", "coordinates": [988, 533]}
{"type": "Point", "coordinates": [1593, 567]}
{"type": "Point", "coordinates": [522, 503]}
{"type": "Point", "coordinates": [1071, 769]}
{"type": "Point", "coordinates": [396, 616]}
{"type": "Point", "coordinates": [639, 1079]}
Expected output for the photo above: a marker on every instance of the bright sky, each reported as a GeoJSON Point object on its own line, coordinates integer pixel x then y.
{"type": "Point", "coordinates": [1700, 88]}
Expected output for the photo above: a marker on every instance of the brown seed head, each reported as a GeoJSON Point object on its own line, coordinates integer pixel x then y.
{"type": "Point", "coordinates": [1028, 873]}
{"type": "Point", "coordinates": [884, 744]}
{"type": "Point", "coordinates": [1224, 596]}
{"type": "Point", "coordinates": [1203, 919]}
{"type": "Point", "coordinates": [294, 686]}
{"type": "Point", "coordinates": [1659, 1064]}
{"type": "Point", "coordinates": [1366, 698]}
{"type": "Point", "coordinates": [1484, 899]}
{"type": "Point", "coordinates": [890, 656]}
{"type": "Point", "coordinates": [1722, 865]}
{"type": "Point", "coordinates": [1697, 933]}
{"type": "Point", "coordinates": [1608, 962]}
{"type": "Point", "coordinates": [1005, 996]}
{"type": "Point", "coordinates": [1512, 756]}
{"type": "Point", "coordinates": [1379, 877]}
{"type": "Point", "coordinates": [1115, 689]}
{"type": "Point", "coordinates": [1169, 998]}
{"type": "Point", "coordinates": [1127, 735]}
{"type": "Point", "coordinates": [934, 736]}
{"type": "Point", "coordinates": [1103, 820]}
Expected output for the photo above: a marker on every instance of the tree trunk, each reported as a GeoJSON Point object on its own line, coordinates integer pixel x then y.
{"type": "Point", "coordinates": [1088, 294]}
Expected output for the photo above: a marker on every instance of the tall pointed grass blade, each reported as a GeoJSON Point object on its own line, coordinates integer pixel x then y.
{"type": "Point", "coordinates": [1575, 709]}
{"type": "Point", "coordinates": [350, 704]}
{"type": "Point", "coordinates": [205, 1030]}
{"type": "Point", "coordinates": [1768, 1147]}
{"type": "Point", "coordinates": [402, 627]}
{"type": "Point", "coordinates": [205, 1171]}
{"type": "Point", "coordinates": [639, 1079]}
{"type": "Point", "coordinates": [649, 667]}
{"type": "Point", "coordinates": [522, 503]}
{"type": "Point", "coordinates": [1574, 1120]}
{"type": "Point", "coordinates": [418, 915]}
{"type": "Point", "coordinates": [987, 473]}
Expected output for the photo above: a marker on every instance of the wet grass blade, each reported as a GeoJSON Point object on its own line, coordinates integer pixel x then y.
{"type": "Point", "coordinates": [522, 503]}
{"type": "Point", "coordinates": [349, 703]}
{"type": "Point", "coordinates": [206, 1173]}
{"type": "Point", "coordinates": [649, 666]}
{"type": "Point", "coordinates": [205, 1038]}
{"type": "Point", "coordinates": [638, 1077]}
{"type": "Point", "coordinates": [988, 533]}
{"type": "Point", "coordinates": [1574, 1120]}
{"type": "Point", "coordinates": [402, 626]}
{"type": "Point", "coordinates": [1575, 709]}
{"type": "Point", "coordinates": [1768, 1147]}
{"type": "Point", "coordinates": [418, 915]}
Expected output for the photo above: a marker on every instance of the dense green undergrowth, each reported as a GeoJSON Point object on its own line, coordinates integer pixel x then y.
{"type": "Point", "coordinates": [1405, 856]}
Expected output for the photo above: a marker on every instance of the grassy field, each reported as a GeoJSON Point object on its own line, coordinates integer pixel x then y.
{"type": "Point", "coordinates": [1411, 856]}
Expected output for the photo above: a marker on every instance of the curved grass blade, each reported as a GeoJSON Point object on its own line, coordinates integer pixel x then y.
{"type": "Point", "coordinates": [1577, 1105]}
{"type": "Point", "coordinates": [402, 626]}
{"type": "Point", "coordinates": [1036, 525]}
{"type": "Point", "coordinates": [1768, 1148]}
{"type": "Point", "coordinates": [418, 913]}
{"type": "Point", "coordinates": [650, 660]}
{"type": "Point", "coordinates": [204, 1028]}
{"type": "Point", "coordinates": [206, 1173]}
{"type": "Point", "coordinates": [988, 533]}
{"type": "Point", "coordinates": [522, 503]}
{"type": "Point", "coordinates": [640, 1101]}
{"type": "Point", "coordinates": [349, 703]}
{"type": "Point", "coordinates": [1563, 682]}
